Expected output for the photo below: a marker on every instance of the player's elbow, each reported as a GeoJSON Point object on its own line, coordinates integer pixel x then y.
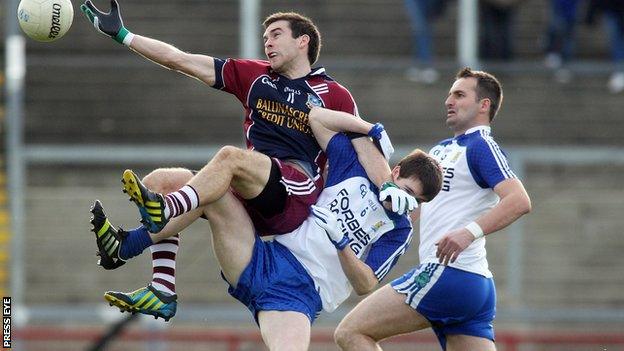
{"type": "Point", "coordinates": [314, 116]}
{"type": "Point", "coordinates": [314, 112]}
{"type": "Point", "coordinates": [523, 205]}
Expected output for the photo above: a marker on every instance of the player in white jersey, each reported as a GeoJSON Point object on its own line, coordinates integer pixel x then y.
{"type": "Point", "coordinates": [452, 290]}
{"type": "Point", "coordinates": [348, 241]}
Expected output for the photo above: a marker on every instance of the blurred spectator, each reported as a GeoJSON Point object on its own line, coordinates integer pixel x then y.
{"type": "Point", "coordinates": [421, 14]}
{"type": "Point", "coordinates": [496, 38]}
{"type": "Point", "coordinates": [560, 37]}
{"type": "Point", "coordinates": [613, 12]}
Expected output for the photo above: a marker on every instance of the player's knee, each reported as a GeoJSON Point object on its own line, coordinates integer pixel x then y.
{"type": "Point", "coordinates": [166, 180]}
{"type": "Point", "coordinates": [233, 157]}
{"type": "Point", "coordinates": [344, 337]}
{"type": "Point", "coordinates": [229, 155]}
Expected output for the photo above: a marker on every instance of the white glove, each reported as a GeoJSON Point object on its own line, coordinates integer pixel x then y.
{"type": "Point", "coordinates": [402, 202]}
{"type": "Point", "coordinates": [381, 140]}
{"type": "Point", "coordinates": [327, 220]}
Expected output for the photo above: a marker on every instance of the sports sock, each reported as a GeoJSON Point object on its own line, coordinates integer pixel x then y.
{"type": "Point", "coordinates": [181, 201]}
{"type": "Point", "coordinates": [136, 241]}
{"type": "Point", "coordinates": [164, 263]}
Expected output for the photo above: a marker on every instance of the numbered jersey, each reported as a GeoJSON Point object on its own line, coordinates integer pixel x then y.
{"type": "Point", "coordinates": [377, 237]}
{"type": "Point", "coordinates": [276, 108]}
{"type": "Point", "coordinates": [473, 165]}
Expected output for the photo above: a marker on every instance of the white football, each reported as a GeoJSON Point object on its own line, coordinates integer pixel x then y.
{"type": "Point", "coordinates": [45, 20]}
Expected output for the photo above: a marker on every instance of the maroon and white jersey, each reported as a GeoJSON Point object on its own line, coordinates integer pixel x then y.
{"type": "Point", "coordinates": [276, 108]}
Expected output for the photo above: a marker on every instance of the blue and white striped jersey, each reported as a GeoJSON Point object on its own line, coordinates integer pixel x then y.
{"type": "Point", "coordinates": [378, 237]}
{"type": "Point", "coordinates": [473, 165]}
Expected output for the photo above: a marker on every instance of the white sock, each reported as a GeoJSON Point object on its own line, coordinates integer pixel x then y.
{"type": "Point", "coordinates": [181, 201]}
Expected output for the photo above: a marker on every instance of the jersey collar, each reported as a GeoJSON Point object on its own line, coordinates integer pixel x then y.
{"type": "Point", "coordinates": [318, 71]}
{"type": "Point", "coordinates": [315, 72]}
{"type": "Point", "coordinates": [487, 129]}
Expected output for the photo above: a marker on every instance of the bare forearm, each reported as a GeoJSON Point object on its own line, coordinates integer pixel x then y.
{"type": "Point", "coordinates": [372, 160]}
{"type": "Point", "coordinates": [360, 275]}
{"type": "Point", "coordinates": [507, 211]}
{"type": "Point", "coordinates": [339, 121]}
{"type": "Point", "coordinates": [156, 51]}
{"type": "Point", "coordinates": [170, 57]}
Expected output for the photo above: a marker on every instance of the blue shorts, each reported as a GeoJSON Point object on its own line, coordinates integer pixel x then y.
{"type": "Point", "coordinates": [275, 281]}
{"type": "Point", "coordinates": [453, 300]}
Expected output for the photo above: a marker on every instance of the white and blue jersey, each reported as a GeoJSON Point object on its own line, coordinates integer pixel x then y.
{"type": "Point", "coordinates": [459, 298]}
{"type": "Point", "coordinates": [473, 165]}
{"type": "Point", "coordinates": [377, 237]}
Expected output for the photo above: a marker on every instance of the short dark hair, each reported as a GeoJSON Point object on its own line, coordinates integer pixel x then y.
{"type": "Point", "coordinates": [418, 164]}
{"type": "Point", "coordinates": [488, 87]}
{"type": "Point", "coordinates": [299, 25]}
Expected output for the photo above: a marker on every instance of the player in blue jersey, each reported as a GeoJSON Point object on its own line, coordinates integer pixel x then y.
{"type": "Point", "coordinates": [349, 242]}
{"type": "Point", "coordinates": [452, 290]}
{"type": "Point", "coordinates": [277, 178]}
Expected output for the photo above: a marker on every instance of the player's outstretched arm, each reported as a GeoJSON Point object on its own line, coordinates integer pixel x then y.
{"type": "Point", "coordinates": [166, 55]}
{"type": "Point", "coordinates": [338, 121]}
{"type": "Point", "coordinates": [360, 275]}
{"type": "Point", "coordinates": [196, 66]}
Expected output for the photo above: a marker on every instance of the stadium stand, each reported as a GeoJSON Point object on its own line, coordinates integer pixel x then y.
{"type": "Point", "coordinates": [91, 88]}
{"type": "Point", "coordinates": [85, 90]}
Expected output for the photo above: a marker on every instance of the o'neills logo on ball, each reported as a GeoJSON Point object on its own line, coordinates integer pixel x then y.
{"type": "Point", "coordinates": [56, 21]}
